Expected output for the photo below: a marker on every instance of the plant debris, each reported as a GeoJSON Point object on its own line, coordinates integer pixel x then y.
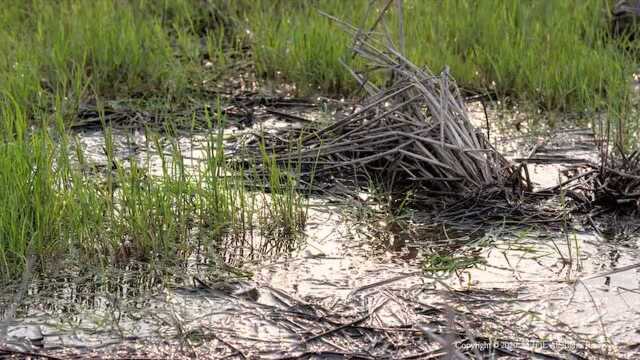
{"type": "Point", "coordinates": [411, 133]}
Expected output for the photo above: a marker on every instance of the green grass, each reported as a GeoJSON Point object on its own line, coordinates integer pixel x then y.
{"type": "Point", "coordinates": [555, 54]}
{"type": "Point", "coordinates": [108, 49]}
{"type": "Point", "coordinates": [448, 263]}
{"type": "Point", "coordinates": [57, 209]}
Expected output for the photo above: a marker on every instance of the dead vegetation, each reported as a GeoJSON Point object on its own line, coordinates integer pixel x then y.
{"type": "Point", "coordinates": [381, 320]}
{"type": "Point", "coordinates": [411, 132]}
{"type": "Point", "coordinates": [613, 185]}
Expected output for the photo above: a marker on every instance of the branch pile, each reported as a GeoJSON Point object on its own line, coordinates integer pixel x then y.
{"type": "Point", "coordinates": [617, 183]}
{"type": "Point", "coordinates": [413, 132]}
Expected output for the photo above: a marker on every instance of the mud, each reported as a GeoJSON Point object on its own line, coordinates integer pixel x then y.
{"type": "Point", "coordinates": [353, 290]}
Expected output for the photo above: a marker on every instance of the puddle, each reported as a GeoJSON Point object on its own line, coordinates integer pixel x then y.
{"type": "Point", "coordinates": [526, 282]}
{"type": "Point", "coordinates": [553, 292]}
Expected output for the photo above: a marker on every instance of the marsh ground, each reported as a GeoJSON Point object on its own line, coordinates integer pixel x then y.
{"type": "Point", "coordinates": [126, 230]}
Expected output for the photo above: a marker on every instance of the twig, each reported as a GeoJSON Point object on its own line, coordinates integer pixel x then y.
{"type": "Point", "coordinates": [9, 352]}
{"type": "Point", "coordinates": [383, 282]}
{"type": "Point", "coordinates": [344, 326]}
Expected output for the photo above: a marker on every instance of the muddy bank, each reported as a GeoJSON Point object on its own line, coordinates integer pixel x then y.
{"type": "Point", "coordinates": [340, 296]}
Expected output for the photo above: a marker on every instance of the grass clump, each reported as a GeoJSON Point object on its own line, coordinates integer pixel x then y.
{"type": "Point", "coordinates": [56, 209]}
{"type": "Point", "coordinates": [36, 217]}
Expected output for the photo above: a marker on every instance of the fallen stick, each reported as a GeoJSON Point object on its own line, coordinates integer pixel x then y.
{"type": "Point", "coordinates": [344, 326]}
{"type": "Point", "coordinates": [383, 282]}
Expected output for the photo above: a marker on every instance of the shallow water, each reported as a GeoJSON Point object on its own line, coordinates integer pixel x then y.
{"type": "Point", "coordinates": [526, 284]}
{"type": "Point", "coordinates": [525, 281]}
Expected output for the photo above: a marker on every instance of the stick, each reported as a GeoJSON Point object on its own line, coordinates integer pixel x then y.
{"type": "Point", "coordinates": [344, 326]}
